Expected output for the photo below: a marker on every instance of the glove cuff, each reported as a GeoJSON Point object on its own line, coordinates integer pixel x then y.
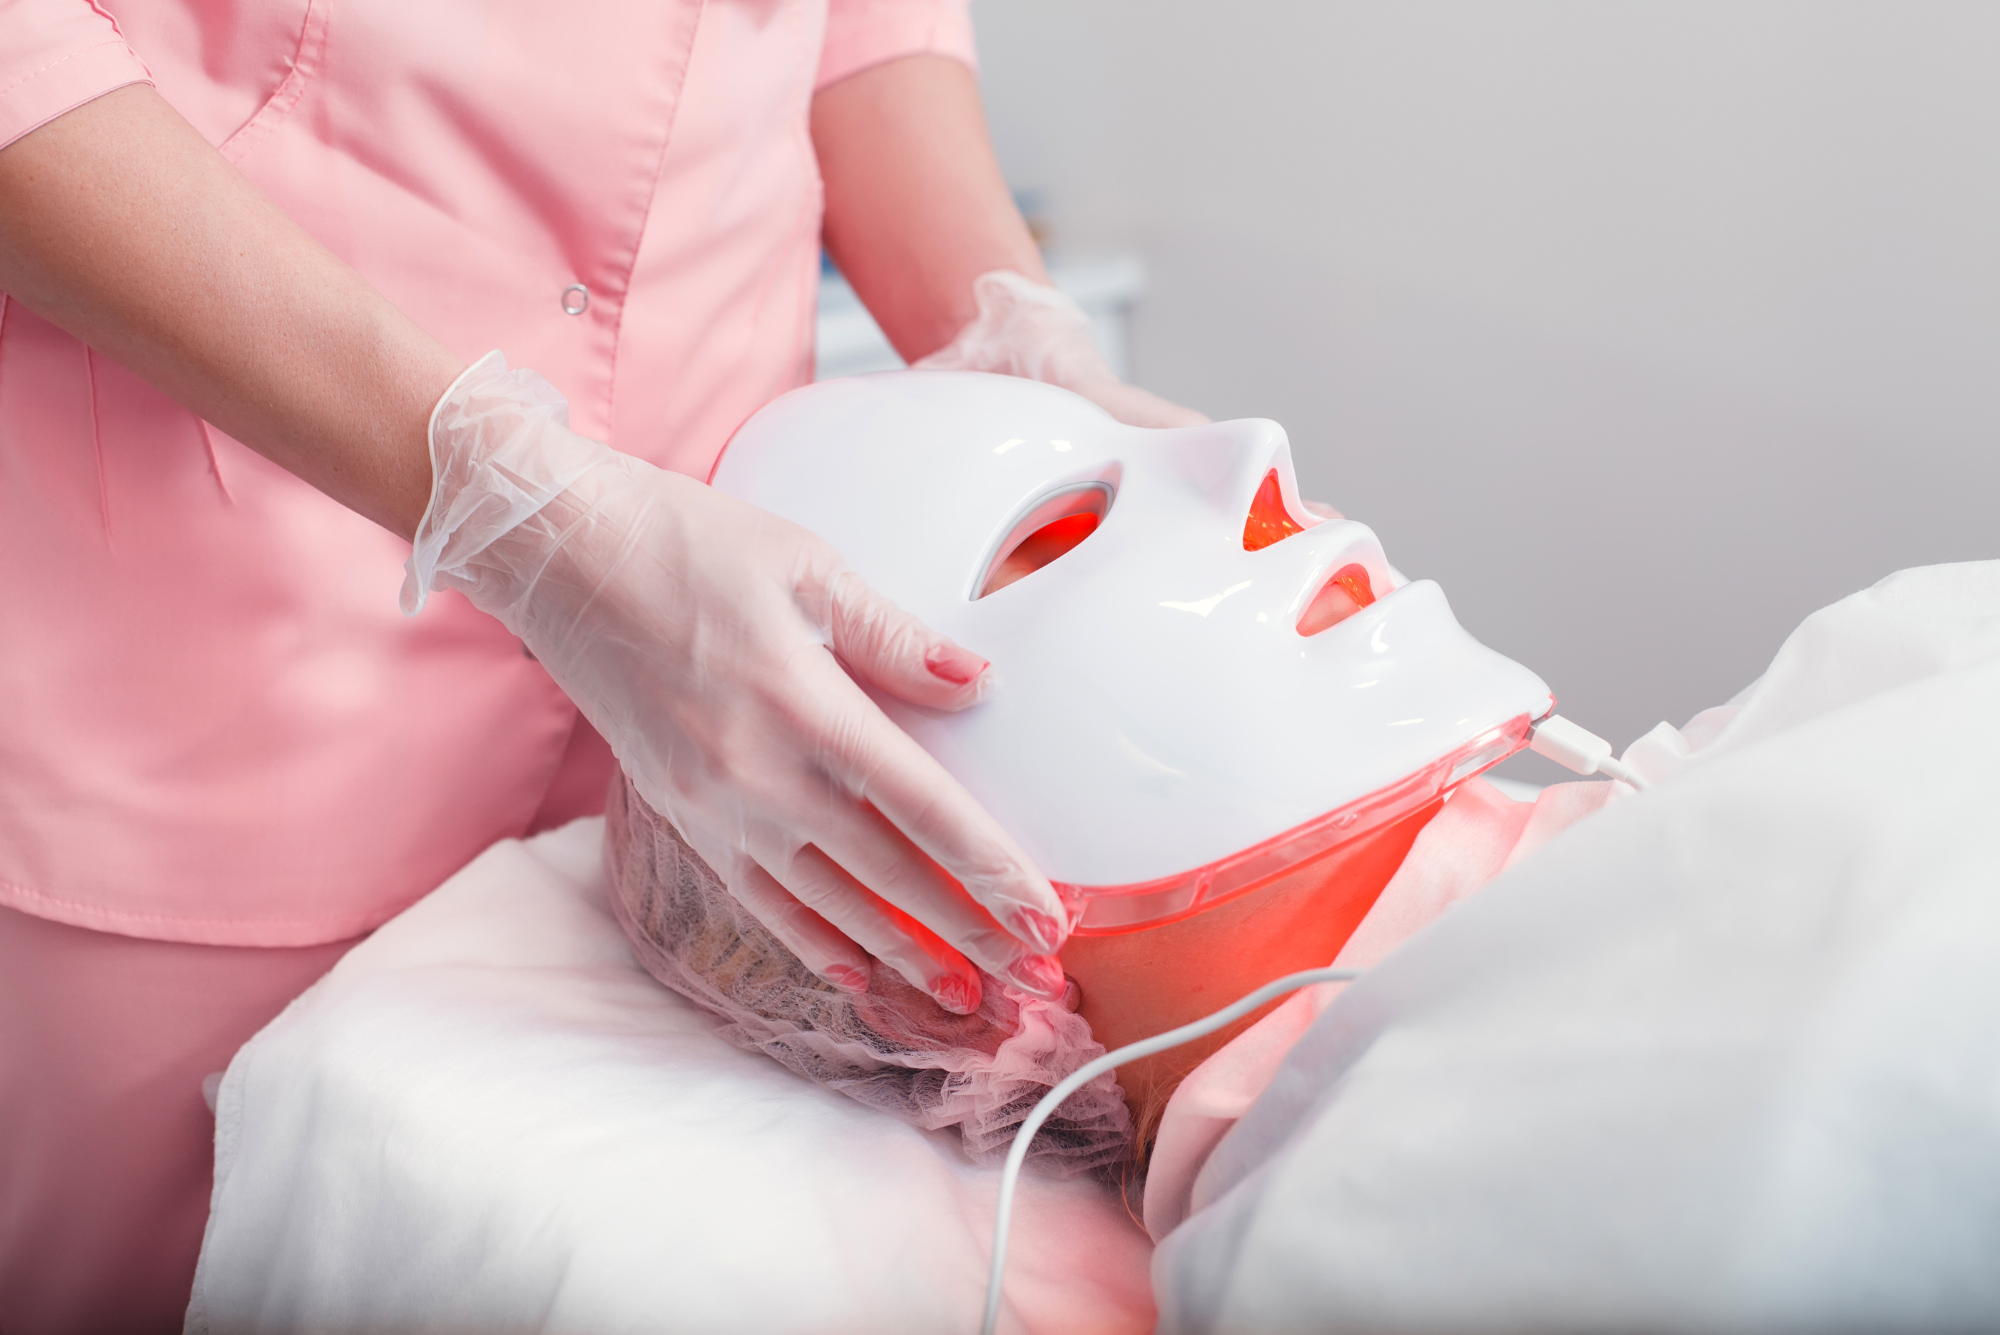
{"type": "Point", "coordinates": [501, 450]}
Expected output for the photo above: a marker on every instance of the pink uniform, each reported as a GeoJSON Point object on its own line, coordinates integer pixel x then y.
{"type": "Point", "coordinates": [215, 726]}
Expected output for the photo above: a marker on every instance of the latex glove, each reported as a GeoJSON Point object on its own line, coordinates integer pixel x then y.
{"type": "Point", "coordinates": [1038, 333]}
{"type": "Point", "coordinates": [699, 635]}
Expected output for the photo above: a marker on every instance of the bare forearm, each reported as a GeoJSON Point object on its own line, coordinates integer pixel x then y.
{"type": "Point", "coordinates": [916, 207]}
{"type": "Point", "coordinates": [121, 225]}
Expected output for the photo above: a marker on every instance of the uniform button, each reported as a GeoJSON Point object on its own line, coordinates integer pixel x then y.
{"type": "Point", "coordinates": [575, 299]}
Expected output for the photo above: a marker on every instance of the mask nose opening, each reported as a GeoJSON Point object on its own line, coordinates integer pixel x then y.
{"type": "Point", "coordinates": [1346, 592]}
{"type": "Point", "coordinates": [1052, 527]}
{"type": "Point", "coordinates": [1269, 521]}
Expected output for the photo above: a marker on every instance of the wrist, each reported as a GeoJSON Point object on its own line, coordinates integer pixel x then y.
{"type": "Point", "coordinates": [501, 452]}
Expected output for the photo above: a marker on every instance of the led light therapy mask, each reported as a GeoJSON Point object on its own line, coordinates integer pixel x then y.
{"type": "Point", "coordinates": [1197, 685]}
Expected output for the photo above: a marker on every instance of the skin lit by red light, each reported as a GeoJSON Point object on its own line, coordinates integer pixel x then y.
{"type": "Point", "coordinates": [1345, 594]}
{"type": "Point", "coordinates": [1039, 548]}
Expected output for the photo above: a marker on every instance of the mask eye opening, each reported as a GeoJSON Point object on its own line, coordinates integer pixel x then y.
{"type": "Point", "coordinates": [1051, 528]}
{"type": "Point", "coordinates": [1269, 521]}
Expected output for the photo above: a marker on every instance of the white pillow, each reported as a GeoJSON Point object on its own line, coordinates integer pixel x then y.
{"type": "Point", "coordinates": [487, 1118]}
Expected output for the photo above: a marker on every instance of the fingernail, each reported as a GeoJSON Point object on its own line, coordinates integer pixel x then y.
{"type": "Point", "coordinates": [1039, 975]}
{"type": "Point", "coordinates": [957, 994]}
{"type": "Point", "coordinates": [847, 978]}
{"type": "Point", "coordinates": [1040, 930]}
{"type": "Point", "coordinates": [950, 663]}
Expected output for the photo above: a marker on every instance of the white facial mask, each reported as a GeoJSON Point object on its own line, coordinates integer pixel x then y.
{"type": "Point", "coordinates": [1159, 735]}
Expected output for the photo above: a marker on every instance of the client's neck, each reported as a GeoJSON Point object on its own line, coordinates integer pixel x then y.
{"type": "Point", "coordinates": [1142, 983]}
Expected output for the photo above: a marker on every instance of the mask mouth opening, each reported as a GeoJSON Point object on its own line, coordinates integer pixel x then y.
{"type": "Point", "coordinates": [1345, 592]}
{"type": "Point", "coordinates": [1050, 528]}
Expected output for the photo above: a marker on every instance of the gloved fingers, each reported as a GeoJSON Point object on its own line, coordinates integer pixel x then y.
{"type": "Point", "coordinates": [884, 931]}
{"type": "Point", "coordinates": [872, 851]}
{"type": "Point", "coordinates": [860, 754]}
{"type": "Point", "coordinates": [1028, 329]}
{"type": "Point", "coordinates": [890, 648]}
{"type": "Point", "coordinates": [1136, 407]}
{"type": "Point", "coordinates": [815, 885]}
{"type": "Point", "coordinates": [819, 945]}
{"type": "Point", "coordinates": [870, 758]}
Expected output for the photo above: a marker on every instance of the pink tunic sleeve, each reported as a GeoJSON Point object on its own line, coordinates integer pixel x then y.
{"type": "Point", "coordinates": [56, 55]}
{"type": "Point", "coordinates": [864, 33]}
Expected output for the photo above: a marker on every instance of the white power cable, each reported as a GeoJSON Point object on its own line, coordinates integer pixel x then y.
{"type": "Point", "coordinates": [1580, 750]}
{"type": "Point", "coordinates": [1145, 1047]}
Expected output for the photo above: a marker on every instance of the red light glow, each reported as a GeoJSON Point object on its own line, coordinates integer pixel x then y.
{"type": "Point", "coordinates": [1269, 521]}
{"type": "Point", "coordinates": [1345, 594]}
{"type": "Point", "coordinates": [1039, 548]}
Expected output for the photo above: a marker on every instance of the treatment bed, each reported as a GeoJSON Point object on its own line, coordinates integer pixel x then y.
{"type": "Point", "coordinates": [488, 1118]}
{"type": "Point", "coordinates": [1724, 1056]}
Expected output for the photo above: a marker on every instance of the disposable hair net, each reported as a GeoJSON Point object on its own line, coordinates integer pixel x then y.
{"type": "Point", "coordinates": [891, 1047]}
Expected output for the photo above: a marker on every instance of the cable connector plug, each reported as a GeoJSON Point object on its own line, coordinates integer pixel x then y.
{"type": "Point", "coordinates": [1580, 750]}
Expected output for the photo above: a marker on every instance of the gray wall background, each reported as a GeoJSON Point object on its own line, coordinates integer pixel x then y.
{"type": "Point", "coordinates": [1645, 329]}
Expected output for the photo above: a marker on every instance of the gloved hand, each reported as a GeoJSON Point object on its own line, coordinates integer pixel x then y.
{"type": "Point", "coordinates": [1038, 333]}
{"type": "Point", "coordinates": [699, 635]}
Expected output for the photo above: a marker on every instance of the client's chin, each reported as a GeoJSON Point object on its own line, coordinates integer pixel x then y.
{"type": "Point", "coordinates": [1137, 984]}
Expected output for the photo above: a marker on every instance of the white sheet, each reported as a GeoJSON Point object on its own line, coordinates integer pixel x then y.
{"type": "Point", "coordinates": [486, 1118]}
{"type": "Point", "coordinates": [1725, 1056]}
